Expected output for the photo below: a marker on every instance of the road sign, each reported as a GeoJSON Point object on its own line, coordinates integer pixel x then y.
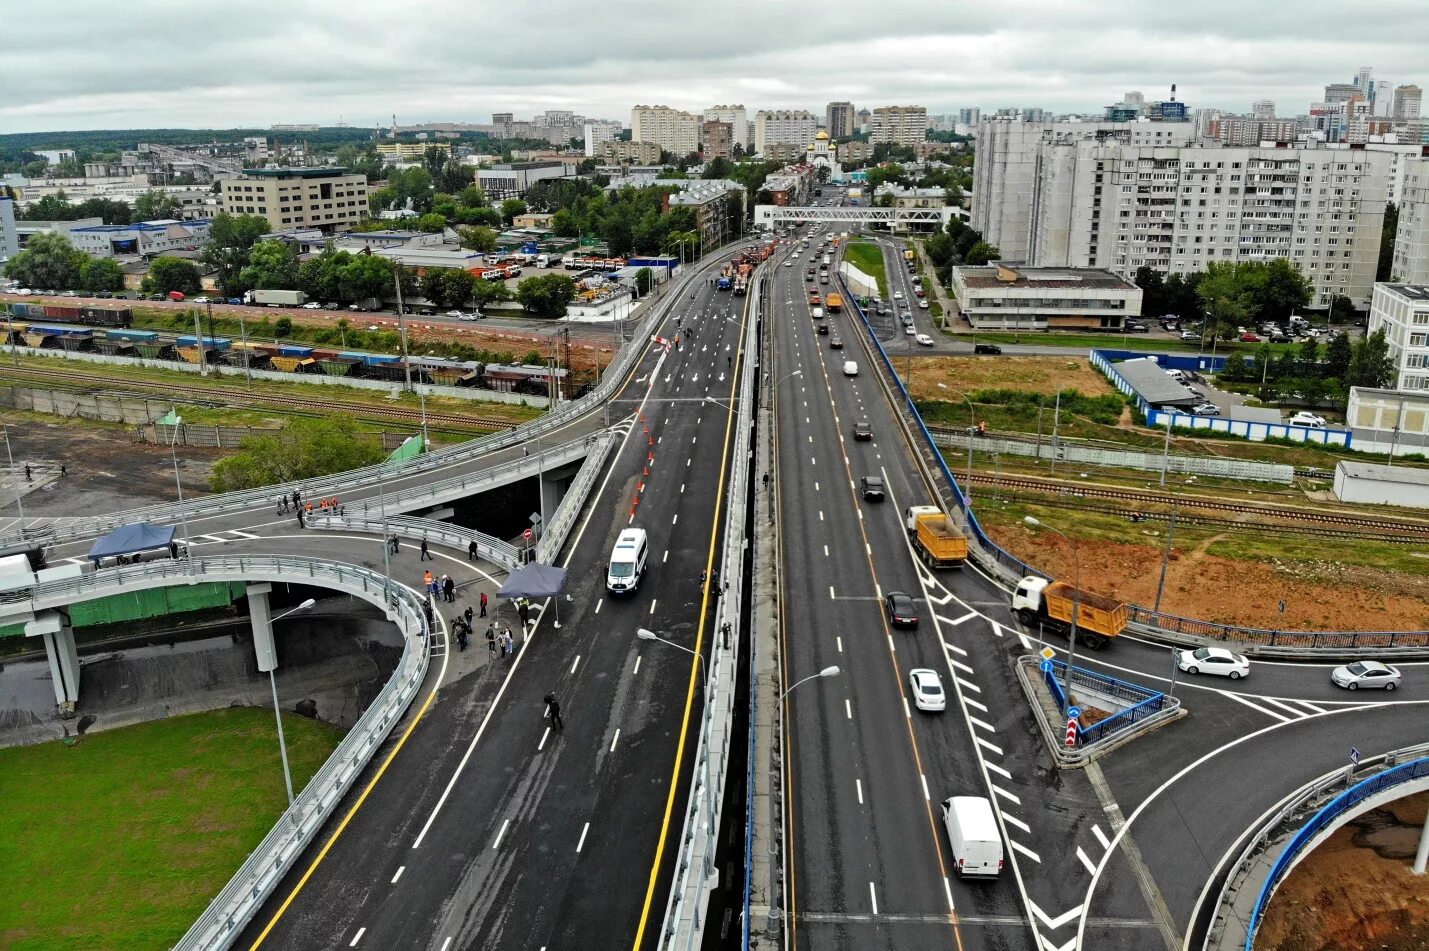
{"type": "Point", "coordinates": [1354, 756]}
{"type": "Point", "coordinates": [1048, 653]}
{"type": "Point", "coordinates": [527, 534]}
{"type": "Point", "coordinates": [1046, 666]}
{"type": "Point", "coordinates": [1074, 713]}
{"type": "Point", "coordinates": [1071, 732]}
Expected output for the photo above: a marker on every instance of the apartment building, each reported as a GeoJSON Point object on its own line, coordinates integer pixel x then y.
{"type": "Point", "coordinates": [596, 133]}
{"type": "Point", "coordinates": [839, 119]}
{"type": "Point", "coordinates": [783, 127]}
{"type": "Point", "coordinates": [330, 199]}
{"type": "Point", "coordinates": [1411, 240]}
{"type": "Point", "coordinates": [898, 125]}
{"type": "Point", "coordinates": [672, 130]}
{"type": "Point", "coordinates": [716, 140]}
{"type": "Point", "coordinates": [628, 153]}
{"type": "Point", "coordinates": [738, 120]}
{"type": "Point", "coordinates": [1402, 312]}
{"type": "Point", "coordinates": [718, 205]}
{"type": "Point", "coordinates": [411, 151]}
{"type": "Point", "coordinates": [1102, 203]}
{"type": "Point", "coordinates": [1010, 157]}
{"type": "Point", "coordinates": [1406, 102]}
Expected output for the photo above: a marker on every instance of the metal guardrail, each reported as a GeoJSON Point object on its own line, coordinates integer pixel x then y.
{"type": "Point", "coordinates": [1404, 765]}
{"type": "Point", "coordinates": [237, 901]}
{"type": "Point", "coordinates": [1141, 702]}
{"type": "Point", "coordinates": [1010, 569]}
{"type": "Point", "coordinates": [555, 532]}
{"type": "Point", "coordinates": [696, 874]}
{"type": "Point", "coordinates": [344, 483]}
{"type": "Point", "coordinates": [494, 550]}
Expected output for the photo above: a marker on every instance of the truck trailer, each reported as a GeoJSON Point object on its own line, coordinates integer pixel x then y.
{"type": "Point", "coordinates": [937, 540]}
{"type": "Point", "coordinates": [275, 298]}
{"type": "Point", "coordinates": [1053, 604]}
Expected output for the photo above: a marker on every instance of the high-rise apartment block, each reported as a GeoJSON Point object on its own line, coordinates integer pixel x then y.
{"type": "Point", "coordinates": [674, 131]}
{"type": "Point", "coordinates": [738, 119]}
{"type": "Point", "coordinates": [1401, 310]}
{"type": "Point", "coordinates": [1104, 195]}
{"type": "Point", "coordinates": [783, 127]}
{"type": "Point", "coordinates": [598, 132]}
{"type": "Point", "coordinates": [1263, 109]}
{"type": "Point", "coordinates": [839, 119]}
{"type": "Point", "coordinates": [899, 125]}
{"type": "Point", "coordinates": [1406, 102]}
{"type": "Point", "coordinates": [716, 140]}
{"type": "Point", "coordinates": [1411, 240]}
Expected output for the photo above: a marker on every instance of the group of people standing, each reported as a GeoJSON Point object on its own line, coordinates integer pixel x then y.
{"type": "Point", "coordinates": [304, 510]}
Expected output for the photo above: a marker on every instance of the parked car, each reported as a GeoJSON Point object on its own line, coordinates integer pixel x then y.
{"type": "Point", "coordinates": [1190, 335]}
{"type": "Point", "coordinates": [1206, 409]}
{"type": "Point", "coordinates": [104, 295]}
{"type": "Point", "coordinates": [927, 689]}
{"type": "Point", "coordinates": [1133, 327]}
{"type": "Point", "coordinates": [923, 340]}
{"type": "Point", "coordinates": [312, 305]}
{"type": "Point", "coordinates": [1367, 674]}
{"type": "Point", "coordinates": [990, 349]}
{"type": "Point", "coordinates": [235, 301]}
{"type": "Point", "coordinates": [202, 300]}
{"type": "Point", "coordinates": [1213, 660]}
{"type": "Point", "coordinates": [902, 612]}
{"type": "Point", "coordinates": [1304, 418]}
{"type": "Point", "coordinates": [1249, 337]}
{"type": "Point", "coordinates": [70, 294]}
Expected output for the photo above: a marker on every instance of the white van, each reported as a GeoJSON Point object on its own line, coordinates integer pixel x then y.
{"type": "Point", "coordinates": [972, 832]}
{"type": "Point", "coordinates": [850, 368]}
{"type": "Point", "coordinates": [627, 561]}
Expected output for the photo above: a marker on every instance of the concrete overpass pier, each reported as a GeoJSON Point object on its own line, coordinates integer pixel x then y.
{"type": "Point", "coordinates": [55, 628]}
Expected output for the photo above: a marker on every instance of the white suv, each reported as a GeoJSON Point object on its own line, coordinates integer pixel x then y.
{"type": "Point", "coordinates": [1303, 418]}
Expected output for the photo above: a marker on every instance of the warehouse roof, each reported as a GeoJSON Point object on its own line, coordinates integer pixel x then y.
{"type": "Point", "coordinates": [1369, 470]}
{"type": "Point", "coordinates": [1015, 276]}
{"type": "Point", "coordinates": [1152, 383]}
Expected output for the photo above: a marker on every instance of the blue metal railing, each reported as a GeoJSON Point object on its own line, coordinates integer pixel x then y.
{"type": "Point", "coordinates": [1141, 702]}
{"type": "Point", "coordinates": [1345, 801]}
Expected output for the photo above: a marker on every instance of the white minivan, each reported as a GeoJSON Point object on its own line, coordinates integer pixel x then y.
{"type": "Point", "coordinates": [850, 368]}
{"type": "Point", "coordinates": [972, 832]}
{"type": "Point", "coordinates": [627, 561]}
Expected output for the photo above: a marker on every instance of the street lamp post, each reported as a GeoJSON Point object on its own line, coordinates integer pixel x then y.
{"type": "Point", "coordinates": [645, 634]}
{"type": "Point", "coordinates": [826, 672]}
{"type": "Point", "coordinates": [1077, 595]}
{"type": "Point", "coordinates": [1166, 552]}
{"type": "Point", "coordinates": [972, 434]}
{"type": "Point", "coordinates": [183, 512]}
{"type": "Point", "coordinates": [277, 714]}
{"type": "Point", "coordinates": [19, 493]}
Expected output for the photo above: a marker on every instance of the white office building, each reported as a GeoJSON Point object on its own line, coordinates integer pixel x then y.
{"type": "Point", "coordinates": [1402, 312]}
{"type": "Point", "coordinates": [674, 131]}
{"type": "Point", "coordinates": [1100, 200]}
{"type": "Point", "coordinates": [783, 127]}
{"type": "Point", "coordinates": [738, 120]}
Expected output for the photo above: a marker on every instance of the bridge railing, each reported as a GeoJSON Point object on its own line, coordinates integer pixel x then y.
{"type": "Point", "coordinates": [556, 530]}
{"type": "Point", "coordinates": [491, 549]}
{"type": "Point", "coordinates": [237, 902]}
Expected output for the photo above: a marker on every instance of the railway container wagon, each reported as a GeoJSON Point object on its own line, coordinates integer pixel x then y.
{"type": "Point", "coordinates": [60, 338]}
{"type": "Point", "coordinates": [61, 312]}
{"type": "Point", "coordinates": [333, 363]}
{"type": "Point", "coordinates": [211, 343]}
{"type": "Point", "coordinates": [296, 364]}
{"type": "Point", "coordinates": [253, 355]}
{"type": "Point", "coordinates": [107, 316]}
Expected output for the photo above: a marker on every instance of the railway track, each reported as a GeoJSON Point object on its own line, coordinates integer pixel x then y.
{"type": "Point", "coordinates": [294, 404]}
{"type": "Point", "coordinates": [1351, 525]}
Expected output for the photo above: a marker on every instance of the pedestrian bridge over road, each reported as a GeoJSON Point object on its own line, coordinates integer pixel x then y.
{"type": "Point", "coordinates": [899, 219]}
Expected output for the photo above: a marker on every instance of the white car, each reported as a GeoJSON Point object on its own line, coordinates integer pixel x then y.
{"type": "Point", "coordinates": [922, 303]}
{"type": "Point", "coordinates": [923, 340]}
{"type": "Point", "coordinates": [1303, 418]}
{"type": "Point", "coordinates": [459, 315]}
{"type": "Point", "coordinates": [788, 263]}
{"type": "Point", "coordinates": [927, 688]}
{"type": "Point", "coordinates": [850, 368]}
{"type": "Point", "coordinates": [200, 300]}
{"type": "Point", "coordinates": [1369, 674]}
{"type": "Point", "coordinates": [1213, 660]}
{"type": "Point", "coordinates": [313, 305]}
{"type": "Point", "coordinates": [897, 295]}
{"type": "Point", "coordinates": [910, 330]}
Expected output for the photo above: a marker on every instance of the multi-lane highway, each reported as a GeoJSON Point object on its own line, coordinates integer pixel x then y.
{"type": "Point", "coordinates": [1113, 856]}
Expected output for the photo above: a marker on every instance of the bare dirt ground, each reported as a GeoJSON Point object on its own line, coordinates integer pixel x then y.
{"type": "Point", "coordinates": [1356, 892]}
{"type": "Point", "coordinates": [1234, 591]}
{"type": "Point", "coordinates": [1028, 374]}
{"type": "Point", "coordinates": [107, 469]}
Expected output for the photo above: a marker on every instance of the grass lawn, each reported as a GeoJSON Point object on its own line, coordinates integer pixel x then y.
{"type": "Point", "coordinates": [123, 839]}
{"type": "Point", "coordinates": [868, 258]}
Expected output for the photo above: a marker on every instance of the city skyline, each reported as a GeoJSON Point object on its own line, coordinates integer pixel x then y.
{"type": "Point", "coordinates": [317, 61]}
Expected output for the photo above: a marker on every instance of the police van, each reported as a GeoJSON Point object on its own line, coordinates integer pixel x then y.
{"type": "Point", "coordinates": [627, 561]}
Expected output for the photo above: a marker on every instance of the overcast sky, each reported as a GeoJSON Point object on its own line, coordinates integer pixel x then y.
{"type": "Point", "coordinates": [160, 63]}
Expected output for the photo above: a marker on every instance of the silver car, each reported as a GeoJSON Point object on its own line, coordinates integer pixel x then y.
{"type": "Point", "coordinates": [1369, 674]}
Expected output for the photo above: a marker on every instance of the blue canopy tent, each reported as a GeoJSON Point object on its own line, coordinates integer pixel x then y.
{"type": "Point", "coordinates": [132, 539]}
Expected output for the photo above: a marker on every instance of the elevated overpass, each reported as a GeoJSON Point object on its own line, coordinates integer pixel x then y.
{"type": "Point", "coordinates": [766, 216]}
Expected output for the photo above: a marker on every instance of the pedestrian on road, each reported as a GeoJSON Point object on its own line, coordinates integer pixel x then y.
{"type": "Point", "coordinates": [427, 580]}
{"type": "Point", "coordinates": [553, 710]}
{"type": "Point", "coordinates": [471, 550]}
{"type": "Point", "coordinates": [297, 497]}
{"type": "Point", "coordinates": [523, 611]}
{"type": "Point", "coordinates": [508, 646]}
{"type": "Point", "coordinates": [449, 589]}
{"type": "Point", "coordinates": [467, 615]}
{"type": "Point", "coordinates": [63, 470]}
{"type": "Point", "coordinates": [27, 473]}
{"type": "Point", "coordinates": [301, 523]}
{"type": "Point", "coordinates": [395, 545]}
{"type": "Point", "coordinates": [308, 508]}
{"type": "Point", "coordinates": [491, 640]}
{"type": "Point", "coordinates": [282, 505]}
{"type": "Point", "coordinates": [460, 630]}
{"type": "Point", "coordinates": [483, 604]}
{"type": "Point", "coordinates": [426, 555]}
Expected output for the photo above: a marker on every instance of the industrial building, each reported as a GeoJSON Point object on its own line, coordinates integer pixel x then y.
{"type": "Point", "coordinates": [144, 238]}
{"type": "Point", "coordinates": [1370, 484]}
{"type": "Point", "coordinates": [331, 199]}
{"type": "Point", "coordinates": [1012, 297]}
{"type": "Point", "coordinates": [511, 179]}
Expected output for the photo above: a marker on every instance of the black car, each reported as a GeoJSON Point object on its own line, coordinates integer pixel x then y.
{"type": "Point", "coordinates": [1135, 328]}
{"type": "Point", "coordinates": [902, 612]}
{"type": "Point", "coordinates": [823, 330]}
{"type": "Point", "coordinates": [104, 295]}
{"type": "Point", "coordinates": [871, 487]}
{"type": "Point", "coordinates": [862, 432]}
{"type": "Point", "coordinates": [988, 348]}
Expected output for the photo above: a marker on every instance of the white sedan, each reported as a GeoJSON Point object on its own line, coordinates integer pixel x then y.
{"type": "Point", "coordinates": [922, 303]}
{"type": "Point", "coordinates": [1213, 660]}
{"type": "Point", "coordinates": [927, 688]}
{"type": "Point", "coordinates": [1369, 674]}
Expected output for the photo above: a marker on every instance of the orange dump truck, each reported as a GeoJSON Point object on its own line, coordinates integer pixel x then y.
{"type": "Point", "coordinates": [1053, 603]}
{"type": "Point", "coordinates": [835, 303]}
{"type": "Point", "coordinates": [937, 540]}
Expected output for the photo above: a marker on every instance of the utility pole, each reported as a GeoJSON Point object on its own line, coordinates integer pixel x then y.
{"type": "Point", "coordinates": [198, 342]}
{"type": "Point", "coordinates": [402, 324]}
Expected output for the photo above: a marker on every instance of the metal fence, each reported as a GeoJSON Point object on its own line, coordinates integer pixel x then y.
{"type": "Point", "coordinates": [494, 550]}
{"type": "Point", "coordinates": [238, 901]}
{"type": "Point", "coordinates": [1323, 820]}
{"type": "Point", "coordinates": [1141, 703]}
{"type": "Point", "coordinates": [555, 531]}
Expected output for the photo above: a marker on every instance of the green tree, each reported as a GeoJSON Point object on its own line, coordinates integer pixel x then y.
{"type": "Point", "coordinates": [563, 224]}
{"type": "Point", "coordinates": [49, 262]}
{"type": "Point", "coordinates": [510, 208]}
{"type": "Point", "coordinates": [1385, 270]}
{"type": "Point", "coordinates": [479, 238]}
{"type": "Point", "coordinates": [304, 449]}
{"type": "Point", "coordinates": [109, 210]}
{"type": "Point", "coordinates": [101, 274]}
{"type": "Point", "coordinates": [447, 286]}
{"type": "Point", "coordinates": [1276, 288]}
{"type": "Point", "coordinates": [1339, 308]}
{"type": "Point", "coordinates": [546, 296]}
{"type": "Point", "coordinates": [1370, 362]}
{"type": "Point", "coordinates": [490, 292]}
{"type": "Point", "coordinates": [283, 326]}
{"type": "Point", "coordinates": [364, 276]}
{"type": "Point", "coordinates": [719, 167]}
{"type": "Point", "coordinates": [155, 204]}
{"type": "Point", "coordinates": [272, 265]}
{"type": "Point", "coordinates": [318, 276]}
{"type": "Point", "coordinates": [1153, 291]}
{"type": "Point", "coordinates": [230, 241]}
{"type": "Point", "coordinates": [1337, 357]}
{"type": "Point", "coordinates": [643, 279]}
{"type": "Point", "coordinates": [981, 253]}
{"type": "Point", "coordinates": [54, 207]}
{"type": "Point", "coordinates": [1224, 296]}
{"type": "Point", "coordinates": [1308, 358]}
{"type": "Point", "coordinates": [431, 223]}
{"type": "Point", "coordinates": [167, 273]}
{"type": "Point", "coordinates": [472, 197]}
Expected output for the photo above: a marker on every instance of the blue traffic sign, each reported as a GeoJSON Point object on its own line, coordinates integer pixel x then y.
{"type": "Point", "coordinates": [1074, 713]}
{"type": "Point", "coordinates": [1046, 666]}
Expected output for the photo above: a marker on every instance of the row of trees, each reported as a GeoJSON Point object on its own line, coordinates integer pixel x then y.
{"type": "Point", "coordinates": [151, 205]}
{"type": "Point", "coordinates": [50, 262]}
{"type": "Point", "coordinates": [958, 243]}
{"type": "Point", "coordinates": [1312, 374]}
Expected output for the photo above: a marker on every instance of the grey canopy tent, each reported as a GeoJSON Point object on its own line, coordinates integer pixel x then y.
{"type": "Point", "coordinates": [535, 581]}
{"type": "Point", "coordinates": [132, 539]}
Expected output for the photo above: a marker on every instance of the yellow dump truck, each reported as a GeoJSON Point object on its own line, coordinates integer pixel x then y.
{"type": "Point", "coordinates": [1052, 603]}
{"type": "Point", "coordinates": [936, 539]}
